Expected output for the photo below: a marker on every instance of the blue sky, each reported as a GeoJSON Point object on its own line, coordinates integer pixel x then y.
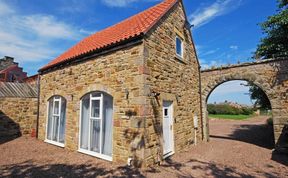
{"type": "Point", "coordinates": [235, 91]}
{"type": "Point", "coordinates": [36, 31]}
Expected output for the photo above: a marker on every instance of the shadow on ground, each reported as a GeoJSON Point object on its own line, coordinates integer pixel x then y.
{"type": "Point", "coordinates": [28, 169]}
{"type": "Point", "coordinates": [169, 167]}
{"type": "Point", "coordinates": [206, 169]}
{"type": "Point", "coordinates": [280, 158]}
{"type": "Point", "coordinates": [260, 135]}
{"type": "Point", "coordinates": [9, 130]}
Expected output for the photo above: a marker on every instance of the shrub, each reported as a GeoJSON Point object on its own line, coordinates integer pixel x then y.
{"type": "Point", "coordinates": [228, 109]}
{"type": "Point", "coordinates": [247, 111]}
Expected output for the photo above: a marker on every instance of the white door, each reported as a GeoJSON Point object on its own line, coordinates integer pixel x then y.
{"type": "Point", "coordinates": [168, 138]}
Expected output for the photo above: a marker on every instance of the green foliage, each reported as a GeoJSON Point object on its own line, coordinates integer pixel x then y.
{"type": "Point", "coordinates": [227, 109]}
{"type": "Point", "coordinates": [257, 94]}
{"type": "Point", "coordinates": [247, 111]}
{"type": "Point", "coordinates": [274, 44]}
{"type": "Point", "coordinates": [282, 3]}
{"type": "Point", "coordinates": [269, 121]}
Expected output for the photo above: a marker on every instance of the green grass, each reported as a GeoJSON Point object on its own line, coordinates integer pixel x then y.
{"type": "Point", "coordinates": [232, 117]}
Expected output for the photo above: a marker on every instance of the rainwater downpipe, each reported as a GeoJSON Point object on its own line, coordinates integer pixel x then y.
{"type": "Point", "coordinates": [38, 105]}
{"type": "Point", "coordinates": [201, 107]}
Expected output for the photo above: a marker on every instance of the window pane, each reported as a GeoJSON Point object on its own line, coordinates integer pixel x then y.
{"type": "Point", "coordinates": [62, 121]}
{"type": "Point", "coordinates": [95, 109]}
{"type": "Point", "coordinates": [55, 128]}
{"type": "Point", "coordinates": [107, 126]}
{"type": "Point", "coordinates": [85, 123]}
{"type": "Point", "coordinates": [49, 124]}
{"type": "Point", "coordinates": [165, 111]}
{"type": "Point", "coordinates": [56, 107]}
{"type": "Point", "coordinates": [179, 46]}
{"type": "Point", "coordinates": [95, 136]}
{"type": "Point", "coordinates": [96, 94]}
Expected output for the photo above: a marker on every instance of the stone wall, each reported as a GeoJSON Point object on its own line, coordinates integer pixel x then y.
{"type": "Point", "coordinates": [130, 75]}
{"type": "Point", "coordinates": [270, 75]}
{"type": "Point", "coordinates": [17, 116]}
{"type": "Point", "coordinates": [176, 80]}
{"type": "Point", "coordinates": [113, 73]}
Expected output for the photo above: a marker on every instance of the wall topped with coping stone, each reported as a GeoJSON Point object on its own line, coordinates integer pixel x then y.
{"type": "Point", "coordinates": [270, 75]}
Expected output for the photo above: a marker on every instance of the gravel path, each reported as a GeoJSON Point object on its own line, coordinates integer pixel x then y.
{"type": "Point", "coordinates": [236, 149]}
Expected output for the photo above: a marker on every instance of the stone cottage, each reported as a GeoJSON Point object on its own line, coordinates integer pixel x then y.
{"type": "Point", "coordinates": [130, 92]}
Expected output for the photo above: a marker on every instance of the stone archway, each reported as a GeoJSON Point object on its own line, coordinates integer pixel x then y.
{"type": "Point", "coordinates": [270, 75]}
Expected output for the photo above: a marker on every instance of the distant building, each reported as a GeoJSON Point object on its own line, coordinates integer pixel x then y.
{"type": "Point", "coordinates": [10, 71]}
{"type": "Point", "coordinates": [235, 104]}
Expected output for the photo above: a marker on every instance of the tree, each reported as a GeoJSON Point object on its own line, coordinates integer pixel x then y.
{"type": "Point", "coordinates": [274, 44]}
{"type": "Point", "coordinates": [256, 93]}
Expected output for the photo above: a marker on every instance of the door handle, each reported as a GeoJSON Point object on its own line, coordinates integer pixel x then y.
{"type": "Point", "coordinates": [171, 127]}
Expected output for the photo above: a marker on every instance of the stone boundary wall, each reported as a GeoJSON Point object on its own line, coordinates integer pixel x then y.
{"type": "Point", "coordinates": [270, 75]}
{"type": "Point", "coordinates": [245, 64]}
{"type": "Point", "coordinates": [18, 116]}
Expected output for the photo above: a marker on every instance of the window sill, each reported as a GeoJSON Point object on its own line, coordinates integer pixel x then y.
{"type": "Point", "coordinates": [180, 59]}
{"type": "Point", "coordinates": [55, 143]}
{"type": "Point", "coordinates": [98, 155]}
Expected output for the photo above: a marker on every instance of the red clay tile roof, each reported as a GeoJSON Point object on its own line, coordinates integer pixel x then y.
{"type": "Point", "coordinates": [132, 27]}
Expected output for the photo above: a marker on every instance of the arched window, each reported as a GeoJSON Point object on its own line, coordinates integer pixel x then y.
{"type": "Point", "coordinates": [56, 120]}
{"type": "Point", "coordinates": [96, 125]}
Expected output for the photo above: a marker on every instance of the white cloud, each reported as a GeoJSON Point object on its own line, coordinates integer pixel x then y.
{"type": "Point", "coordinates": [74, 6]}
{"type": "Point", "coordinates": [35, 37]}
{"type": "Point", "coordinates": [5, 9]}
{"type": "Point", "coordinates": [234, 91]}
{"type": "Point", "coordinates": [237, 86]}
{"type": "Point", "coordinates": [206, 64]}
{"type": "Point", "coordinates": [118, 3]}
{"type": "Point", "coordinates": [123, 3]}
{"type": "Point", "coordinates": [209, 52]}
{"type": "Point", "coordinates": [205, 14]}
{"type": "Point", "coordinates": [233, 47]}
{"type": "Point", "coordinates": [47, 26]}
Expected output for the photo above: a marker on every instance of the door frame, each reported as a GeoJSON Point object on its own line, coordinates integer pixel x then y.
{"type": "Point", "coordinates": [171, 122]}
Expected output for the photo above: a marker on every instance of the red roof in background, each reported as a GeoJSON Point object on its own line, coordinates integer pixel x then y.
{"type": "Point", "coordinates": [14, 66]}
{"type": "Point", "coordinates": [132, 27]}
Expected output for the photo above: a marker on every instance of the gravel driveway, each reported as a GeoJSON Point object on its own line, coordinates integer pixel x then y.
{"type": "Point", "coordinates": [236, 149]}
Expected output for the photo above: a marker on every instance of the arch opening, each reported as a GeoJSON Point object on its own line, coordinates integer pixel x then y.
{"type": "Point", "coordinates": [233, 112]}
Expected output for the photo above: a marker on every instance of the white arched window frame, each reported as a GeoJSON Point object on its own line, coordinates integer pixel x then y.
{"type": "Point", "coordinates": [96, 125]}
{"type": "Point", "coordinates": [56, 121]}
